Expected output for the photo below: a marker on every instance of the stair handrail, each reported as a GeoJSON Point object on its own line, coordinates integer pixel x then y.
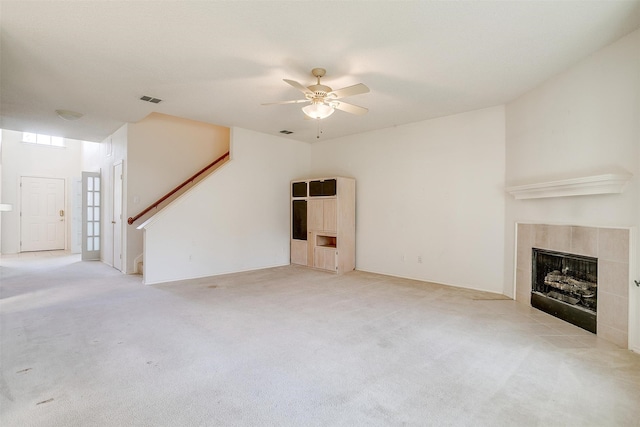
{"type": "Point", "coordinates": [131, 220]}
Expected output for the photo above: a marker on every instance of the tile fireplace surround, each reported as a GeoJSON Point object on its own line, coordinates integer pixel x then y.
{"type": "Point", "coordinates": [609, 245]}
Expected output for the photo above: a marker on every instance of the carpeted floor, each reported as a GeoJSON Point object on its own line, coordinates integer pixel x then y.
{"type": "Point", "coordinates": [83, 345]}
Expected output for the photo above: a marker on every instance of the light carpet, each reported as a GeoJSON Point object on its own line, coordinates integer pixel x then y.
{"type": "Point", "coordinates": [83, 345]}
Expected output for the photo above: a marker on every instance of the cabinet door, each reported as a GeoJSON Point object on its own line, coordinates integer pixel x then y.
{"type": "Point", "coordinates": [299, 219]}
{"type": "Point", "coordinates": [315, 214]}
{"type": "Point", "coordinates": [329, 215]}
{"type": "Point", "coordinates": [322, 215]}
{"type": "Point", "coordinates": [325, 258]}
{"type": "Point", "coordinates": [329, 187]}
{"type": "Point", "coordinates": [315, 188]}
{"type": "Point", "coordinates": [299, 252]}
{"type": "Point", "coordinates": [299, 189]}
{"type": "Point", "coordinates": [322, 188]}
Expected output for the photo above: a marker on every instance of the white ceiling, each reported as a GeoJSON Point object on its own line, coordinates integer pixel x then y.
{"type": "Point", "coordinates": [217, 61]}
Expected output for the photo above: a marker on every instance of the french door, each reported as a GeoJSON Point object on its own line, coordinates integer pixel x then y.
{"type": "Point", "coordinates": [91, 217]}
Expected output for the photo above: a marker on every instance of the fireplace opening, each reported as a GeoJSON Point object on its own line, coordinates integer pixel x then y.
{"type": "Point", "coordinates": [566, 286]}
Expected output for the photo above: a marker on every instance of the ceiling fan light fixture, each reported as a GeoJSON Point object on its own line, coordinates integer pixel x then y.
{"type": "Point", "coordinates": [318, 110]}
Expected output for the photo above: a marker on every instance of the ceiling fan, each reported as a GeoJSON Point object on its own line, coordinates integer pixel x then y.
{"type": "Point", "coordinates": [324, 100]}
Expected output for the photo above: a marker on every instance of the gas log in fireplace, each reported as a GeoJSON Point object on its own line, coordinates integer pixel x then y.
{"type": "Point", "coordinates": [566, 286]}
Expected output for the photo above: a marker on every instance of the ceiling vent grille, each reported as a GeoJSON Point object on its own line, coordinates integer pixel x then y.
{"type": "Point", "coordinates": [150, 99]}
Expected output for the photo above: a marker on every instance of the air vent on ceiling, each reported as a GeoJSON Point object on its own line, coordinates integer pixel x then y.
{"type": "Point", "coordinates": [286, 132]}
{"type": "Point", "coordinates": [151, 99]}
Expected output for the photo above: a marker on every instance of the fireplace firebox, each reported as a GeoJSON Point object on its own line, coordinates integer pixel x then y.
{"type": "Point", "coordinates": [566, 286]}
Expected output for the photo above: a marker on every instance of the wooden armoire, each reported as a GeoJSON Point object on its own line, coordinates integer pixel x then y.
{"type": "Point", "coordinates": [323, 223]}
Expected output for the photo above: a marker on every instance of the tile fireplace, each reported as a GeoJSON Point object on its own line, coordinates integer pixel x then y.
{"type": "Point", "coordinates": [607, 247]}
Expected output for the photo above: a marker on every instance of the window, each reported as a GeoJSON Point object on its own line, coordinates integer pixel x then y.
{"type": "Point", "coordinates": [40, 139]}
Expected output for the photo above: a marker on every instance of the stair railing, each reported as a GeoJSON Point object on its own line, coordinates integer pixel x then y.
{"type": "Point", "coordinates": [131, 220]}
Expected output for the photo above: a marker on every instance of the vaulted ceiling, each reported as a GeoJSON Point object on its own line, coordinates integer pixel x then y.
{"type": "Point", "coordinates": [218, 61]}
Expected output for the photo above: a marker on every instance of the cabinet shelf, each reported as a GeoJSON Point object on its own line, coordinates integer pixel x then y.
{"type": "Point", "coordinates": [326, 241]}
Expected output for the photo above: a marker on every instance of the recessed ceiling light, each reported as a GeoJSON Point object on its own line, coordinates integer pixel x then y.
{"type": "Point", "coordinates": [68, 114]}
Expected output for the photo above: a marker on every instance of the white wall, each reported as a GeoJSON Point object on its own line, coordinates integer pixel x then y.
{"type": "Point", "coordinates": [432, 189]}
{"type": "Point", "coordinates": [21, 159]}
{"type": "Point", "coordinates": [236, 219]}
{"type": "Point", "coordinates": [585, 121]}
{"type": "Point", "coordinates": [163, 151]}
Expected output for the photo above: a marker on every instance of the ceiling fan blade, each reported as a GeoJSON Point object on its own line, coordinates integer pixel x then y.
{"type": "Point", "coordinates": [298, 86]}
{"type": "Point", "coordinates": [349, 91]}
{"type": "Point", "coordinates": [297, 101]}
{"type": "Point", "coordinates": [350, 108]}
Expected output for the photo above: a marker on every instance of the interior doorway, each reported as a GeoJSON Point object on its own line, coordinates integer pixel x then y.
{"type": "Point", "coordinates": [75, 244]}
{"type": "Point", "coordinates": [634, 291]}
{"type": "Point", "coordinates": [117, 216]}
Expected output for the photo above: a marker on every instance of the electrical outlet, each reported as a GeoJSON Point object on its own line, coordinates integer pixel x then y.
{"type": "Point", "coordinates": [419, 259]}
{"type": "Point", "coordinates": [402, 258]}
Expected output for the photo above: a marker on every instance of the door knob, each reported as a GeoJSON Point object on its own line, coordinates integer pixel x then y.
{"type": "Point", "coordinates": [113, 222]}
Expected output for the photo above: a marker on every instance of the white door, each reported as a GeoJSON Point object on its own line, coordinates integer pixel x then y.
{"type": "Point", "coordinates": [76, 216]}
{"type": "Point", "coordinates": [634, 292]}
{"type": "Point", "coordinates": [91, 216]}
{"type": "Point", "coordinates": [42, 215]}
{"type": "Point", "coordinates": [116, 220]}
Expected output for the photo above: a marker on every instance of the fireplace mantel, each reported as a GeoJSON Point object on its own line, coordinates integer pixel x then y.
{"type": "Point", "coordinates": [596, 184]}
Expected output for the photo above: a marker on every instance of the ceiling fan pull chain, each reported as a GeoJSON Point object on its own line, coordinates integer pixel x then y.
{"type": "Point", "coordinates": [319, 132]}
